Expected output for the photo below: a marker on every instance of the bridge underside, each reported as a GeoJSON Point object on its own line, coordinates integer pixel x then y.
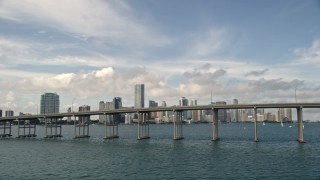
{"type": "Point", "coordinates": [111, 127]}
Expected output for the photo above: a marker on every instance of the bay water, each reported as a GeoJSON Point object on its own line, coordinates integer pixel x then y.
{"type": "Point", "coordinates": [236, 156]}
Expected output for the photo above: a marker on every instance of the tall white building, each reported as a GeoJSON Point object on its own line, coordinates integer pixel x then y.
{"type": "Point", "coordinates": [285, 114]}
{"type": "Point", "coordinates": [139, 96]}
{"type": "Point", "coordinates": [234, 112]}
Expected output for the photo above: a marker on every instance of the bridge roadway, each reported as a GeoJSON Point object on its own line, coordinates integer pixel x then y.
{"type": "Point", "coordinates": [169, 108]}
{"type": "Point", "coordinates": [177, 117]}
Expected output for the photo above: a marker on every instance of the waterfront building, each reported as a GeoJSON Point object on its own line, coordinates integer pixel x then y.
{"type": "Point", "coordinates": [243, 115]}
{"type": "Point", "coordinates": [115, 104]}
{"type": "Point", "coordinates": [285, 115]}
{"type": "Point", "coordinates": [9, 113]}
{"type": "Point", "coordinates": [195, 114]}
{"type": "Point", "coordinates": [49, 103]}
{"type": "Point", "coordinates": [152, 115]}
{"type": "Point", "coordinates": [270, 117]}
{"type": "Point", "coordinates": [234, 113]}
{"type": "Point", "coordinates": [139, 96]}
{"type": "Point", "coordinates": [222, 113]}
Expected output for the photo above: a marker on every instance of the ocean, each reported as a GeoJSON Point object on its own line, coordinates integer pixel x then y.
{"type": "Point", "coordinates": [236, 156]}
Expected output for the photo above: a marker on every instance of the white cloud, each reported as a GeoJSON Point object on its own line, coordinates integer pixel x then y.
{"type": "Point", "coordinates": [112, 20]}
{"type": "Point", "coordinates": [310, 55]}
{"type": "Point", "coordinates": [10, 96]}
{"type": "Point", "coordinates": [208, 43]}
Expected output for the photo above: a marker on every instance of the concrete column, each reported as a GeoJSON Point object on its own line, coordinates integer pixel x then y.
{"type": "Point", "coordinates": [75, 126]}
{"type": "Point", "coordinates": [138, 125]}
{"type": "Point", "coordinates": [10, 129]}
{"type": "Point", "coordinates": [256, 139]}
{"type": "Point", "coordinates": [300, 125]}
{"type": "Point", "coordinates": [215, 127]}
{"type": "Point", "coordinates": [174, 124]}
{"type": "Point", "coordinates": [18, 127]}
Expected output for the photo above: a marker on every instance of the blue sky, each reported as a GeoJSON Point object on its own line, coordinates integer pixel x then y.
{"type": "Point", "coordinates": [255, 51]}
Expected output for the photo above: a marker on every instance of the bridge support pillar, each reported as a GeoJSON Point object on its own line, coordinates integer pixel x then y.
{"type": "Point", "coordinates": [111, 127]}
{"type": "Point", "coordinates": [26, 128]}
{"type": "Point", "coordinates": [215, 125]}
{"type": "Point", "coordinates": [6, 127]}
{"type": "Point", "coordinates": [256, 139]}
{"type": "Point", "coordinates": [53, 129]}
{"type": "Point", "coordinates": [81, 127]}
{"type": "Point", "coordinates": [177, 125]}
{"type": "Point", "coordinates": [300, 125]}
{"type": "Point", "coordinates": [143, 126]}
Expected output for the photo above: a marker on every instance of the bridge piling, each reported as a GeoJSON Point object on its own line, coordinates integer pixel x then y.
{"type": "Point", "coordinates": [215, 125]}
{"type": "Point", "coordinates": [300, 125]}
{"type": "Point", "coordinates": [111, 127]}
{"type": "Point", "coordinates": [52, 124]}
{"type": "Point", "coordinates": [143, 126]}
{"type": "Point", "coordinates": [3, 125]}
{"type": "Point", "coordinates": [177, 125]}
{"type": "Point", "coordinates": [82, 126]}
{"type": "Point", "coordinates": [256, 139]}
{"type": "Point", "coordinates": [28, 125]}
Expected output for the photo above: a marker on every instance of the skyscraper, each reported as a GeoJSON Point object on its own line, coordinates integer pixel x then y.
{"type": "Point", "coordinates": [49, 103]}
{"type": "Point", "coordinates": [139, 96]}
{"type": "Point", "coordinates": [184, 102]}
{"type": "Point", "coordinates": [285, 114]}
{"type": "Point", "coordinates": [0, 112]}
{"type": "Point", "coordinates": [115, 104]}
{"type": "Point", "coordinates": [234, 112]}
{"type": "Point", "coordinates": [9, 113]}
{"type": "Point", "coordinates": [222, 113]}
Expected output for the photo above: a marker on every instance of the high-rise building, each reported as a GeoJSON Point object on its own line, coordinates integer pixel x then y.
{"type": "Point", "coordinates": [222, 113]}
{"type": "Point", "coordinates": [234, 112]}
{"type": "Point", "coordinates": [115, 104]}
{"type": "Point", "coordinates": [0, 112]}
{"type": "Point", "coordinates": [285, 115]}
{"type": "Point", "coordinates": [195, 114]}
{"type": "Point", "coordinates": [49, 103]}
{"type": "Point", "coordinates": [139, 96]}
{"type": "Point", "coordinates": [152, 115]}
{"type": "Point", "coordinates": [9, 113]}
{"type": "Point", "coordinates": [184, 102]}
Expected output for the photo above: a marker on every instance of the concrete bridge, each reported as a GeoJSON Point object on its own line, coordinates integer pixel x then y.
{"type": "Point", "coordinates": [53, 129]}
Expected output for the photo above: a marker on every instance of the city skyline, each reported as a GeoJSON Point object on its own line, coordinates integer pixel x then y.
{"type": "Point", "coordinates": [90, 51]}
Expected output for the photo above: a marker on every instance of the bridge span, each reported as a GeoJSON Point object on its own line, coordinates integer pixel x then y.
{"type": "Point", "coordinates": [53, 129]}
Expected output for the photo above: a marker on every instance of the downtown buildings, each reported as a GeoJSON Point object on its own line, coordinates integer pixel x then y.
{"type": "Point", "coordinates": [116, 103]}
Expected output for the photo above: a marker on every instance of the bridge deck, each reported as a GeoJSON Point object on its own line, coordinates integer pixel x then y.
{"type": "Point", "coordinates": [170, 108]}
